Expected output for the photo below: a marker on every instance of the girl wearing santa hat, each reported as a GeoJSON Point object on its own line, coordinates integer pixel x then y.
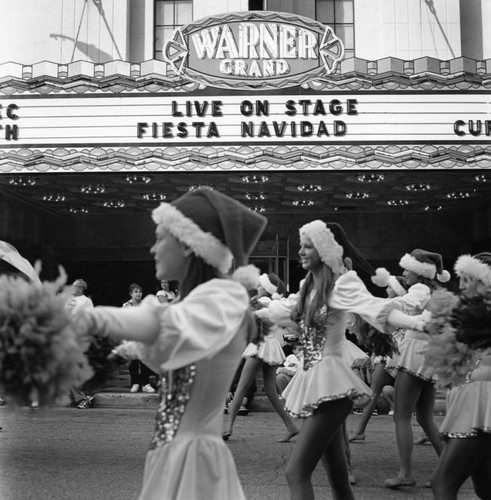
{"type": "Point", "coordinates": [194, 343]}
{"type": "Point", "coordinates": [265, 356]}
{"type": "Point", "coordinates": [414, 389]}
{"type": "Point", "coordinates": [324, 387]}
{"type": "Point", "coordinates": [460, 351]}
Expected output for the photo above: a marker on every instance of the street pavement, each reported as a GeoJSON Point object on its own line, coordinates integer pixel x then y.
{"type": "Point", "coordinates": [98, 453]}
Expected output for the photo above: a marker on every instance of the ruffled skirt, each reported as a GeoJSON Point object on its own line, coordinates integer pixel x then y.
{"type": "Point", "coordinates": [269, 351]}
{"type": "Point", "coordinates": [468, 410]}
{"type": "Point", "coordinates": [411, 359]}
{"type": "Point", "coordinates": [193, 468]}
{"type": "Point", "coordinates": [327, 380]}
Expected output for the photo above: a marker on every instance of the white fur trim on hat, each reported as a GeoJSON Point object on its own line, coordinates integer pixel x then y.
{"type": "Point", "coordinates": [204, 245]}
{"type": "Point", "coordinates": [466, 264]}
{"type": "Point", "coordinates": [329, 250]}
{"type": "Point", "coordinates": [424, 269]}
{"type": "Point", "coordinates": [265, 282]}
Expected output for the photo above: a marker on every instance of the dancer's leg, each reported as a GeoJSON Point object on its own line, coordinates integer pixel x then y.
{"type": "Point", "coordinates": [407, 392]}
{"type": "Point", "coordinates": [269, 378]}
{"type": "Point", "coordinates": [249, 371]}
{"type": "Point", "coordinates": [460, 459]}
{"type": "Point", "coordinates": [380, 378]}
{"type": "Point", "coordinates": [424, 415]}
{"type": "Point", "coordinates": [337, 468]}
{"type": "Point", "coordinates": [315, 435]}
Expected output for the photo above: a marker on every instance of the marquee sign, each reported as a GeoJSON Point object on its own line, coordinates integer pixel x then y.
{"type": "Point", "coordinates": [254, 50]}
{"type": "Point", "coordinates": [236, 119]}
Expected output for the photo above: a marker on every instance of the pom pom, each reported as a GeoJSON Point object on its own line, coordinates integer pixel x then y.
{"type": "Point", "coordinates": [381, 277]}
{"type": "Point", "coordinates": [41, 347]}
{"type": "Point", "coordinates": [248, 276]}
{"type": "Point", "coordinates": [444, 276]}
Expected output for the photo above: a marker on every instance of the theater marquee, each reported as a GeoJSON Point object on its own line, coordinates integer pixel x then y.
{"type": "Point", "coordinates": [159, 120]}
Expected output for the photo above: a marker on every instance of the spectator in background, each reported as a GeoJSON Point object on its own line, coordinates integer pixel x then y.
{"type": "Point", "coordinates": [78, 301]}
{"type": "Point", "coordinates": [139, 373]}
{"type": "Point", "coordinates": [165, 294]}
{"type": "Point", "coordinates": [285, 373]}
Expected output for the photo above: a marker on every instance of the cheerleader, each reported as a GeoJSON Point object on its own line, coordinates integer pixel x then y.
{"type": "Point", "coordinates": [265, 356]}
{"type": "Point", "coordinates": [194, 343]}
{"type": "Point", "coordinates": [324, 387]}
{"type": "Point", "coordinates": [396, 287]}
{"type": "Point", "coordinates": [414, 389]}
{"type": "Point", "coordinates": [467, 424]}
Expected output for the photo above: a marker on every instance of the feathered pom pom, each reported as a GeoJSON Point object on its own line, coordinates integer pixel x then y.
{"type": "Point", "coordinates": [248, 276]}
{"type": "Point", "coordinates": [41, 349]}
{"type": "Point", "coordinates": [381, 277]}
{"type": "Point", "coordinates": [444, 276]}
{"type": "Point", "coordinates": [453, 361]}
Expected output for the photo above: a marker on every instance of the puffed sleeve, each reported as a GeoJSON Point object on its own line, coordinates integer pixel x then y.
{"type": "Point", "coordinates": [196, 328]}
{"type": "Point", "coordinates": [350, 294]}
{"type": "Point", "coordinates": [279, 311]}
{"type": "Point", "coordinates": [416, 298]}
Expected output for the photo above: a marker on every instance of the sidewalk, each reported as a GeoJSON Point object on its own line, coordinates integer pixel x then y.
{"type": "Point", "coordinates": [119, 397]}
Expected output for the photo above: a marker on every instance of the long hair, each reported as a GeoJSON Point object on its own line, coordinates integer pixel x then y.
{"type": "Point", "coordinates": [321, 298]}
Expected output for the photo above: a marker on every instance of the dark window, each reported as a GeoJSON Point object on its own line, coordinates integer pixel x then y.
{"type": "Point", "coordinates": [339, 15]}
{"type": "Point", "coordinates": [169, 15]}
{"type": "Point", "coordinates": [256, 4]}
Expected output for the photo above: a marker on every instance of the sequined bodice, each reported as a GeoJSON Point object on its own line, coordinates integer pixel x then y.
{"type": "Point", "coordinates": [173, 398]}
{"type": "Point", "coordinates": [313, 338]}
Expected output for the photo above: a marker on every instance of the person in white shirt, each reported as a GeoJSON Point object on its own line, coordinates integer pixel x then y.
{"type": "Point", "coordinates": [78, 301]}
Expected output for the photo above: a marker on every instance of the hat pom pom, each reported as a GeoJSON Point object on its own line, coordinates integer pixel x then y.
{"type": "Point", "coordinates": [248, 276]}
{"type": "Point", "coordinates": [381, 277]}
{"type": "Point", "coordinates": [444, 276]}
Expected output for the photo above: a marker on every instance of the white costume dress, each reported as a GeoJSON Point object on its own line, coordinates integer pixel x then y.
{"type": "Point", "coordinates": [469, 405]}
{"type": "Point", "coordinates": [324, 373]}
{"type": "Point", "coordinates": [269, 350]}
{"type": "Point", "coordinates": [411, 348]}
{"type": "Point", "coordinates": [197, 352]}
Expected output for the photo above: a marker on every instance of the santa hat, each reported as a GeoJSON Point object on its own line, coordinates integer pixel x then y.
{"type": "Point", "coordinates": [426, 264]}
{"type": "Point", "coordinates": [383, 278]}
{"type": "Point", "coordinates": [477, 266]}
{"type": "Point", "coordinates": [265, 282]}
{"type": "Point", "coordinates": [329, 250]}
{"type": "Point", "coordinates": [214, 226]}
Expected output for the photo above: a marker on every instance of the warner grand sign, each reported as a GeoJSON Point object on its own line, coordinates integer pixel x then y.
{"type": "Point", "coordinates": [254, 50]}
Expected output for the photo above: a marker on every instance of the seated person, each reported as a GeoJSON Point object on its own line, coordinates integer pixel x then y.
{"type": "Point", "coordinates": [285, 373]}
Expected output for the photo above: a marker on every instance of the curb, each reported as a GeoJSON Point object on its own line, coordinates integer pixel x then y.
{"type": "Point", "coordinates": [144, 401]}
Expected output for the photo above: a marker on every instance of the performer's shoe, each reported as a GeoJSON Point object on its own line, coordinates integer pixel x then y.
{"type": "Point", "coordinates": [289, 435]}
{"type": "Point", "coordinates": [357, 437]}
{"type": "Point", "coordinates": [399, 482]}
{"type": "Point", "coordinates": [243, 411]}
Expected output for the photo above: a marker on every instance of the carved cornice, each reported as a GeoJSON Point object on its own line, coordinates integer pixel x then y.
{"type": "Point", "coordinates": [81, 77]}
{"type": "Point", "coordinates": [65, 160]}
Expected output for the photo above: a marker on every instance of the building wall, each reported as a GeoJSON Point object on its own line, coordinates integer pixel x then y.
{"type": "Point", "coordinates": [98, 31]}
{"type": "Point", "coordinates": [63, 31]}
{"type": "Point", "coordinates": [407, 29]}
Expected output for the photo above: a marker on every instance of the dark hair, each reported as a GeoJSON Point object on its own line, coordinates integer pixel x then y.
{"type": "Point", "coordinates": [135, 286]}
{"type": "Point", "coordinates": [198, 272]}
